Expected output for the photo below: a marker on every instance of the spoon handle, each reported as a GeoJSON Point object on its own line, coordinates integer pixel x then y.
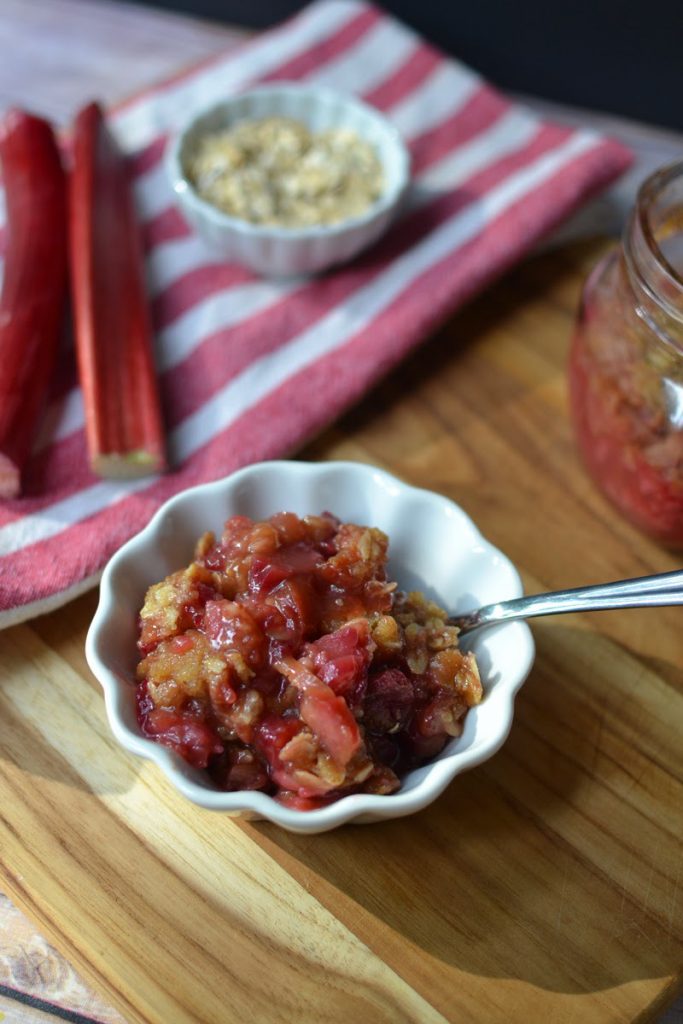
{"type": "Point", "coordinates": [643, 592]}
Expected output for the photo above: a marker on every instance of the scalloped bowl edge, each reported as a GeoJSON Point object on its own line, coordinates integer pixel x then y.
{"type": "Point", "coordinates": [113, 618]}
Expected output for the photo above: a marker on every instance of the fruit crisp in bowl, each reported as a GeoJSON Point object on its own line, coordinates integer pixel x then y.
{"type": "Point", "coordinates": [282, 659]}
{"type": "Point", "coordinates": [279, 653]}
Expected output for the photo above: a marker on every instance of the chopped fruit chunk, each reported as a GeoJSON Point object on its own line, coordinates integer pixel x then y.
{"type": "Point", "coordinates": [389, 701]}
{"type": "Point", "coordinates": [230, 627]}
{"type": "Point", "coordinates": [327, 716]}
{"type": "Point", "coordinates": [188, 735]}
{"type": "Point", "coordinates": [341, 659]}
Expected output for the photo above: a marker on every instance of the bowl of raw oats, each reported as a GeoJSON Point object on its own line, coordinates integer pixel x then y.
{"type": "Point", "coordinates": [289, 179]}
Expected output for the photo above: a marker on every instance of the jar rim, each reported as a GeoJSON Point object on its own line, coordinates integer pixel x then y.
{"type": "Point", "coordinates": [648, 192]}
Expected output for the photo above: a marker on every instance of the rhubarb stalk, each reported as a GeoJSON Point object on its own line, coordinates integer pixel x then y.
{"type": "Point", "coordinates": [111, 316]}
{"type": "Point", "coordinates": [33, 287]}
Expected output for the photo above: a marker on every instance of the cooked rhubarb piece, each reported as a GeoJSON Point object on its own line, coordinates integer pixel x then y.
{"type": "Point", "coordinates": [282, 659]}
{"type": "Point", "coordinates": [111, 317]}
{"type": "Point", "coordinates": [34, 284]}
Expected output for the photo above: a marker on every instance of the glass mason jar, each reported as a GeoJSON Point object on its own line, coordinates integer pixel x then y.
{"type": "Point", "coordinates": [626, 364]}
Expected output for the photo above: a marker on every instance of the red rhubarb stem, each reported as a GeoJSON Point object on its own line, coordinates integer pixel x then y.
{"type": "Point", "coordinates": [111, 316]}
{"type": "Point", "coordinates": [33, 287]}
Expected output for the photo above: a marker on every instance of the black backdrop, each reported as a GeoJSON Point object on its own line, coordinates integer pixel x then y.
{"type": "Point", "coordinates": [621, 56]}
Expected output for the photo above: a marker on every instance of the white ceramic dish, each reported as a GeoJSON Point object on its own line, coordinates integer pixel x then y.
{"type": "Point", "coordinates": [433, 546]}
{"type": "Point", "coordinates": [285, 252]}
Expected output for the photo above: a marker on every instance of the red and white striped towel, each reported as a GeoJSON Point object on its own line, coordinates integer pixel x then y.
{"type": "Point", "coordinates": [250, 368]}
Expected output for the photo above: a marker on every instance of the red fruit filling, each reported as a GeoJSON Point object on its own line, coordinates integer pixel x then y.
{"type": "Point", "coordinates": [281, 659]}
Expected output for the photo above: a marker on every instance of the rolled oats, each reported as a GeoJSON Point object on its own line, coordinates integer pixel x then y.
{"type": "Point", "coordinates": [275, 171]}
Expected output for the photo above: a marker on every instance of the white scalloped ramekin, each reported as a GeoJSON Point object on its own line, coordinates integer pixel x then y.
{"type": "Point", "coordinates": [433, 546]}
{"type": "Point", "coordinates": [286, 252]}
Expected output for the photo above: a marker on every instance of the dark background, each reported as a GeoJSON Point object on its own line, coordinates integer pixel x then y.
{"type": "Point", "coordinates": [620, 56]}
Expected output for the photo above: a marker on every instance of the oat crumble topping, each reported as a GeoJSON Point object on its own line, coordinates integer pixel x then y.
{"type": "Point", "coordinates": [276, 171]}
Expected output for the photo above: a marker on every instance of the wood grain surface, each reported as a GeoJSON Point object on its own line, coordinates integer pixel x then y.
{"type": "Point", "coordinates": [544, 884]}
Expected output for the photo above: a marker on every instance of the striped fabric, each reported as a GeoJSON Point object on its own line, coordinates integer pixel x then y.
{"type": "Point", "coordinates": [250, 368]}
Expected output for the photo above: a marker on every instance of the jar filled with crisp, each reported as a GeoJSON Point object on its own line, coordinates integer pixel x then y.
{"type": "Point", "coordinates": [626, 364]}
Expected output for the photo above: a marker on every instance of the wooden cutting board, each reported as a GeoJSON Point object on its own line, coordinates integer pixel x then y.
{"type": "Point", "coordinates": [544, 885]}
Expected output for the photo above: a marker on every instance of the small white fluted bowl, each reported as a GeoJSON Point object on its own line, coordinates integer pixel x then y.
{"type": "Point", "coordinates": [433, 546]}
{"type": "Point", "coordinates": [287, 252]}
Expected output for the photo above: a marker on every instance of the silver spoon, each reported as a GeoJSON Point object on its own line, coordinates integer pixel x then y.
{"type": "Point", "coordinates": [644, 592]}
